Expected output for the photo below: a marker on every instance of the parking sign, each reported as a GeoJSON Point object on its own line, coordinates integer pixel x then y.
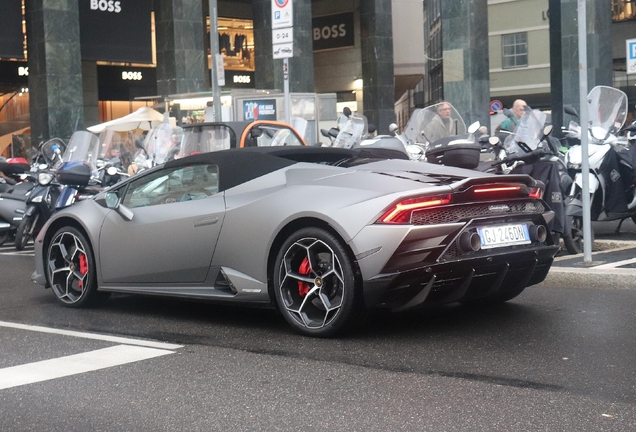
{"type": "Point", "coordinates": [282, 14]}
{"type": "Point", "coordinates": [631, 56]}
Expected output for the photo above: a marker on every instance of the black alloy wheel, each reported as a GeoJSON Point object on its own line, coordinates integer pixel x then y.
{"type": "Point", "coordinates": [315, 285]}
{"type": "Point", "coordinates": [574, 242]}
{"type": "Point", "coordinates": [70, 267]}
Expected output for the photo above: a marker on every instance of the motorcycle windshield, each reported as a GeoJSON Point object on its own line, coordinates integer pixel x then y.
{"type": "Point", "coordinates": [48, 150]}
{"type": "Point", "coordinates": [351, 132]}
{"type": "Point", "coordinates": [82, 147]}
{"type": "Point", "coordinates": [607, 111]}
{"type": "Point", "coordinates": [163, 142]}
{"type": "Point", "coordinates": [528, 132]}
{"type": "Point", "coordinates": [205, 138]}
{"type": "Point", "coordinates": [433, 123]}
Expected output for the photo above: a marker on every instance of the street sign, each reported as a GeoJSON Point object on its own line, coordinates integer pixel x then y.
{"type": "Point", "coordinates": [220, 69]}
{"type": "Point", "coordinates": [282, 14]}
{"type": "Point", "coordinates": [283, 35]}
{"type": "Point", "coordinates": [631, 55]}
{"type": "Point", "coordinates": [496, 105]}
{"type": "Point", "coordinates": [284, 50]}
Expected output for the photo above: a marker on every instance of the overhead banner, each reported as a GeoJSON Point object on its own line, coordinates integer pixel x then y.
{"type": "Point", "coordinates": [125, 83]}
{"type": "Point", "coordinates": [333, 31]}
{"type": "Point", "coordinates": [11, 38]}
{"type": "Point", "coordinates": [116, 30]}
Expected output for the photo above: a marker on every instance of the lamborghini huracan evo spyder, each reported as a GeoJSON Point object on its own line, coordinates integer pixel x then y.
{"type": "Point", "coordinates": [324, 234]}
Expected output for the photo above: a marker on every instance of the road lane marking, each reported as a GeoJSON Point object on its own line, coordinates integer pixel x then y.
{"type": "Point", "coordinates": [594, 270]}
{"type": "Point", "coordinates": [616, 264]}
{"type": "Point", "coordinates": [75, 364]}
{"type": "Point", "coordinates": [95, 336]}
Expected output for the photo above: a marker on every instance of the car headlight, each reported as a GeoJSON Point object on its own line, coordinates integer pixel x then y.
{"type": "Point", "coordinates": [45, 178]}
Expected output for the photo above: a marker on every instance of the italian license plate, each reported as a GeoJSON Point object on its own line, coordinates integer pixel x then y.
{"type": "Point", "coordinates": [503, 235]}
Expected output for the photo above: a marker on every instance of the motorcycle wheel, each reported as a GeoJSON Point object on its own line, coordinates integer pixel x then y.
{"type": "Point", "coordinates": [4, 236]}
{"type": "Point", "coordinates": [574, 241]}
{"type": "Point", "coordinates": [22, 234]}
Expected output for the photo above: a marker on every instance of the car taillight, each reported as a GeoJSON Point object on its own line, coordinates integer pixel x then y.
{"type": "Point", "coordinates": [536, 193]}
{"type": "Point", "coordinates": [496, 189]}
{"type": "Point", "coordinates": [400, 213]}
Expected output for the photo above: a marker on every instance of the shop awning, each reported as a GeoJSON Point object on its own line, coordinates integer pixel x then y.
{"type": "Point", "coordinates": [145, 118]}
{"type": "Point", "coordinates": [6, 140]}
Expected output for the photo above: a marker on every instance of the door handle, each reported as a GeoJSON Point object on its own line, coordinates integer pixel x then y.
{"type": "Point", "coordinates": [206, 221]}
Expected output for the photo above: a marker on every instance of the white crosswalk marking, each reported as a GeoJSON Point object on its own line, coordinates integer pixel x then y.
{"type": "Point", "coordinates": [75, 364]}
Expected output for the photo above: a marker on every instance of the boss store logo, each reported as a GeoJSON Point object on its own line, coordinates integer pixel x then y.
{"type": "Point", "coordinates": [239, 79]}
{"type": "Point", "coordinates": [333, 31]}
{"type": "Point", "coordinates": [106, 6]}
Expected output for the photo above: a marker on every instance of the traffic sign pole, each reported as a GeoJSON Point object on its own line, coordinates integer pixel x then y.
{"type": "Point", "coordinates": [283, 43]}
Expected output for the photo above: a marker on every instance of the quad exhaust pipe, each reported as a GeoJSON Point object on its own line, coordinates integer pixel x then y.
{"type": "Point", "coordinates": [538, 233]}
{"type": "Point", "coordinates": [469, 242]}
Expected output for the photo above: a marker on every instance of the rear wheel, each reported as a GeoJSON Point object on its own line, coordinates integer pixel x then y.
{"type": "Point", "coordinates": [71, 271]}
{"type": "Point", "coordinates": [315, 285]}
{"type": "Point", "coordinates": [575, 241]}
{"type": "Point", "coordinates": [22, 235]}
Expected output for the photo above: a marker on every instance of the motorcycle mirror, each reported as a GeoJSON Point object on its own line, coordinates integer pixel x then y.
{"type": "Point", "coordinates": [393, 128]}
{"type": "Point", "coordinates": [493, 140]}
{"type": "Point", "coordinates": [569, 109]}
{"type": "Point", "coordinates": [547, 130]}
{"type": "Point", "coordinates": [474, 127]}
{"type": "Point", "coordinates": [333, 132]}
{"type": "Point", "coordinates": [324, 132]}
{"type": "Point", "coordinates": [346, 111]}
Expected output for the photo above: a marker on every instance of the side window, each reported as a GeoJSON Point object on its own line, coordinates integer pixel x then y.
{"type": "Point", "coordinates": [173, 185]}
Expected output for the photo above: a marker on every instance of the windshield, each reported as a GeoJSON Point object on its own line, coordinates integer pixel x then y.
{"type": "Point", "coordinates": [528, 132]}
{"type": "Point", "coordinates": [49, 148]}
{"type": "Point", "coordinates": [204, 139]}
{"type": "Point", "coordinates": [82, 147]}
{"type": "Point", "coordinates": [607, 111]}
{"type": "Point", "coordinates": [352, 132]}
{"type": "Point", "coordinates": [434, 122]}
{"type": "Point", "coordinates": [163, 143]}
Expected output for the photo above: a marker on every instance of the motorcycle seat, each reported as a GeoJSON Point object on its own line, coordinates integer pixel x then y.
{"type": "Point", "coordinates": [13, 196]}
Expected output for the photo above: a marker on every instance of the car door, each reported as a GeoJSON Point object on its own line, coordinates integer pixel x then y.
{"type": "Point", "coordinates": [177, 217]}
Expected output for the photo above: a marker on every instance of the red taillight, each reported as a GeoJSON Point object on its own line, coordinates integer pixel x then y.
{"type": "Point", "coordinates": [493, 189]}
{"type": "Point", "coordinates": [536, 193]}
{"type": "Point", "coordinates": [400, 213]}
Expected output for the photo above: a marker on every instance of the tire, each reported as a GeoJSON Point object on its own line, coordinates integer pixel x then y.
{"type": "Point", "coordinates": [4, 236]}
{"type": "Point", "coordinates": [574, 242]}
{"type": "Point", "coordinates": [315, 285]}
{"type": "Point", "coordinates": [22, 235]}
{"type": "Point", "coordinates": [71, 269]}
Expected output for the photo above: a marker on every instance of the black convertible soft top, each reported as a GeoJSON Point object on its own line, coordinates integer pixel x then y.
{"type": "Point", "coordinates": [238, 166]}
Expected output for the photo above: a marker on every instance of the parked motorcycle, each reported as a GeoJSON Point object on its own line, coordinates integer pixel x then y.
{"type": "Point", "coordinates": [612, 176]}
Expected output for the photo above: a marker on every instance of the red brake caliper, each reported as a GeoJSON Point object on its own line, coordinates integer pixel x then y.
{"type": "Point", "coordinates": [83, 268]}
{"type": "Point", "coordinates": [304, 269]}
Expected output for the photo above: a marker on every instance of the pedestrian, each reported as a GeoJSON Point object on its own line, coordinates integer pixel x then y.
{"type": "Point", "coordinates": [511, 123]}
{"type": "Point", "coordinates": [441, 125]}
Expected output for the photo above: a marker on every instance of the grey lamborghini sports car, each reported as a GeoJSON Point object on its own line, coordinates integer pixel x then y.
{"type": "Point", "coordinates": [324, 234]}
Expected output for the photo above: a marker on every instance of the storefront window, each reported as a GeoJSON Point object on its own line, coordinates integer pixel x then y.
{"type": "Point", "coordinates": [236, 43]}
{"type": "Point", "coordinates": [623, 10]}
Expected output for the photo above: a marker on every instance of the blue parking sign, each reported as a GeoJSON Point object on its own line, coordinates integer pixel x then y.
{"type": "Point", "coordinates": [632, 50]}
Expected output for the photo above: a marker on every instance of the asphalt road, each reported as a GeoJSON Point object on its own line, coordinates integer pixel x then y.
{"type": "Point", "coordinates": [558, 357]}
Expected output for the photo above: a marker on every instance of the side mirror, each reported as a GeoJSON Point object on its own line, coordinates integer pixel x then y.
{"type": "Point", "coordinates": [393, 128]}
{"type": "Point", "coordinates": [569, 109]}
{"type": "Point", "coordinates": [474, 127]}
{"type": "Point", "coordinates": [112, 202]}
{"type": "Point", "coordinates": [547, 130]}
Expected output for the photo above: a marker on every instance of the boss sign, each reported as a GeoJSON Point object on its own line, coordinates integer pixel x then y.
{"type": "Point", "coordinates": [333, 31]}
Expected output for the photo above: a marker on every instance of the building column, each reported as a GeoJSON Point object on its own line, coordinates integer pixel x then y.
{"type": "Point", "coordinates": [55, 69]}
{"type": "Point", "coordinates": [181, 59]}
{"type": "Point", "coordinates": [269, 72]}
{"type": "Point", "coordinates": [378, 78]}
{"type": "Point", "coordinates": [91, 92]}
{"type": "Point", "coordinates": [599, 48]}
{"type": "Point", "coordinates": [465, 68]}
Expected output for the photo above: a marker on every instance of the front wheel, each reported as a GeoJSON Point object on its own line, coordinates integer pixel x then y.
{"type": "Point", "coordinates": [71, 269]}
{"type": "Point", "coordinates": [315, 284]}
{"type": "Point", "coordinates": [23, 234]}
